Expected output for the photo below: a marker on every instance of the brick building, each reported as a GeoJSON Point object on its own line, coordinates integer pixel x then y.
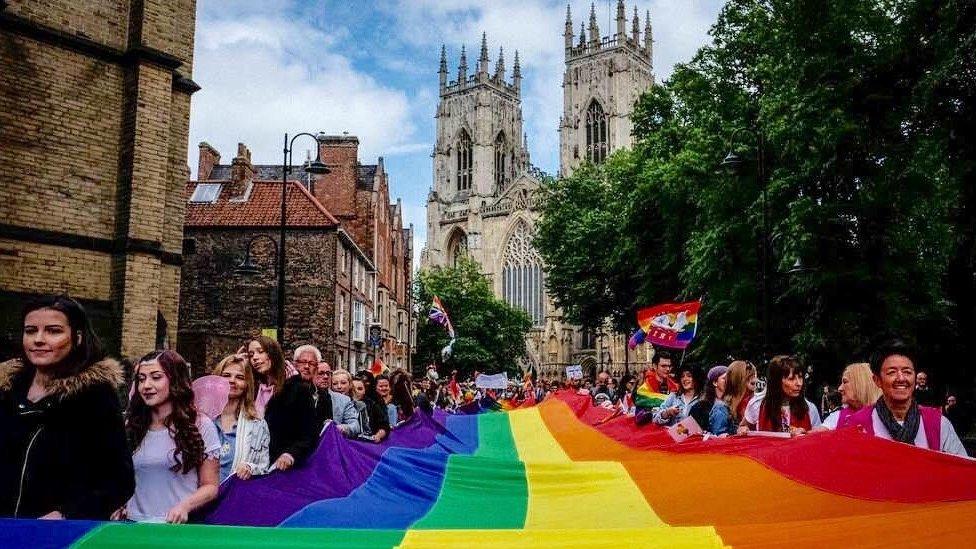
{"type": "Point", "coordinates": [328, 291]}
{"type": "Point", "coordinates": [94, 111]}
{"type": "Point", "coordinates": [358, 197]}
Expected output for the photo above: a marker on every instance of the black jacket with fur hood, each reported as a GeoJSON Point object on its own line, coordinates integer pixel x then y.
{"type": "Point", "coordinates": [66, 452]}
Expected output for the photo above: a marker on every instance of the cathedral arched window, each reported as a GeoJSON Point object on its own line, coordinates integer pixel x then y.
{"type": "Point", "coordinates": [501, 175]}
{"type": "Point", "coordinates": [522, 280]}
{"type": "Point", "coordinates": [457, 248]}
{"type": "Point", "coordinates": [596, 133]}
{"type": "Point", "coordinates": [464, 162]}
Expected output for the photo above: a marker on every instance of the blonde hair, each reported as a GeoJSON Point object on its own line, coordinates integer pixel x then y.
{"type": "Point", "coordinates": [341, 372]}
{"type": "Point", "coordinates": [737, 385]}
{"type": "Point", "coordinates": [247, 399]}
{"type": "Point", "coordinates": [861, 384]}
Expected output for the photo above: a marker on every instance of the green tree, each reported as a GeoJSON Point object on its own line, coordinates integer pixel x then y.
{"type": "Point", "coordinates": [490, 333]}
{"type": "Point", "coordinates": [861, 112]}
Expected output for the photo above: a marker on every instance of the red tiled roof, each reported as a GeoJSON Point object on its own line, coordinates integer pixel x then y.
{"type": "Point", "coordinates": [261, 209]}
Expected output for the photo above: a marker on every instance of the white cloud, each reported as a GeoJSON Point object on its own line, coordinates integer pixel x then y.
{"type": "Point", "coordinates": [264, 76]}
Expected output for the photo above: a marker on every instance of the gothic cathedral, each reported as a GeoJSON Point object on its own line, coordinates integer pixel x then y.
{"type": "Point", "coordinates": [483, 201]}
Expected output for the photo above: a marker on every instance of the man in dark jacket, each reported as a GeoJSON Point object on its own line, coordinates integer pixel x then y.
{"type": "Point", "coordinates": [291, 421]}
{"type": "Point", "coordinates": [65, 453]}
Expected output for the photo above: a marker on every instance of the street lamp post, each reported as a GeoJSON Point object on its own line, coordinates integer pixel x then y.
{"type": "Point", "coordinates": [247, 266]}
{"type": "Point", "coordinates": [734, 162]}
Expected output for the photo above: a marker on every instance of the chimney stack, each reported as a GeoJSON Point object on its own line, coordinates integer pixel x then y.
{"type": "Point", "coordinates": [209, 157]}
{"type": "Point", "coordinates": [241, 172]}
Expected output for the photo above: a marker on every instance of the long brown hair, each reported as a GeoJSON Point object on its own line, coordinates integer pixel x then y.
{"type": "Point", "coordinates": [740, 372]}
{"type": "Point", "coordinates": [247, 399]}
{"type": "Point", "coordinates": [780, 368]}
{"type": "Point", "coordinates": [181, 422]}
{"type": "Point", "coordinates": [276, 376]}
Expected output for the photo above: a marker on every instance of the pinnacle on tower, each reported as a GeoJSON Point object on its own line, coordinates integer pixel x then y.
{"type": "Point", "coordinates": [635, 29]}
{"type": "Point", "coordinates": [582, 40]}
{"type": "Point", "coordinates": [568, 33]}
{"type": "Point", "coordinates": [621, 21]}
{"type": "Point", "coordinates": [500, 65]}
{"type": "Point", "coordinates": [517, 72]}
{"type": "Point", "coordinates": [648, 37]}
{"type": "Point", "coordinates": [594, 28]}
{"type": "Point", "coordinates": [483, 58]}
{"type": "Point", "coordinates": [442, 71]}
{"type": "Point", "coordinates": [463, 67]}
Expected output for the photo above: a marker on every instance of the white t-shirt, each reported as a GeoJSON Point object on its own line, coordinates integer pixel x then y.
{"type": "Point", "coordinates": [752, 411]}
{"type": "Point", "coordinates": [949, 443]}
{"type": "Point", "coordinates": [159, 488]}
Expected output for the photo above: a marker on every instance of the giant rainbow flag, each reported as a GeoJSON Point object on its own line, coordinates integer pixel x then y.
{"type": "Point", "coordinates": [559, 475]}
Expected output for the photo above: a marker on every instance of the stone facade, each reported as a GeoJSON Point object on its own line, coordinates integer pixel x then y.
{"type": "Point", "coordinates": [94, 114]}
{"type": "Point", "coordinates": [483, 201]}
{"type": "Point", "coordinates": [220, 307]}
{"type": "Point", "coordinates": [372, 261]}
{"type": "Point", "coordinates": [604, 77]}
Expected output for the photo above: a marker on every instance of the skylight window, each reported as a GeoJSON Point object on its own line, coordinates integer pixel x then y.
{"type": "Point", "coordinates": [206, 193]}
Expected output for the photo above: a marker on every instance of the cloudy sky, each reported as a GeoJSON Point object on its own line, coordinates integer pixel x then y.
{"type": "Point", "coordinates": [268, 67]}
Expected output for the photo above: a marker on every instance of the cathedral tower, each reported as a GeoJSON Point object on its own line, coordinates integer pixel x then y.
{"type": "Point", "coordinates": [479, 146]}
{"type": "Point", "coordinates": [604, 77]}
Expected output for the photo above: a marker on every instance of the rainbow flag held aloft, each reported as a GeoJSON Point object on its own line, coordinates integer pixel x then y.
{"type": "Point", "coordinates": [671, 325]}
{"type": "Point", "coordinates": [564, 474]}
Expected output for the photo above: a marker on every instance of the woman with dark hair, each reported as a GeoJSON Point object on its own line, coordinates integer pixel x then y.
{"type": "Point", "coordinates": [625, 395]}
{"type": "Point", "coordinates": [372, 414]}
{"type": "Point", "coordinates": [289, 404]}
{"type": "Point", "coordinates": [175, 450]}
{"type": "Point", "coordinates": [267, 361]}
{"type": "Point", "coordinates": [782, 408]}
{"type": "Point", "coordinates": [384, 393]}
{"type": "Point", "coordinates": [678, 404]}
{"type": "Point", "coordinates": [62, 444]}
{"type": "Point", "coordinates": [402, 396]}
{"type": "Point", "coordinates": [711, 412]}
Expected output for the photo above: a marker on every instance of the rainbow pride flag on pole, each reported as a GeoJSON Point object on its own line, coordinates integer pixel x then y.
{"type": "Point", "coordinates": [566, 474]}
{"type": "Point", "coordinates": [671, 325]}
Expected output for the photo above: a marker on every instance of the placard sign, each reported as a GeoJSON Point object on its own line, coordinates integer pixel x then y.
{"type": "Point", "coordinates": [574, 372]}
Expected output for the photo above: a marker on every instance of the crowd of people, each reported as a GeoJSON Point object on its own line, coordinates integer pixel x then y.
{"type": "Point", "coordinates": [885, 397]}
{"type": "Point", "coordinates": [71, 448]}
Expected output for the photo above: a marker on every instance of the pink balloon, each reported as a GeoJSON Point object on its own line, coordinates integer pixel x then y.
{"type": "Point", "coordinates": [210, 395]}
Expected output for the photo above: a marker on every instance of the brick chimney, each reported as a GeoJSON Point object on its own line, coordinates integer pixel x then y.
{"type": "Point", "coordinates": [241, 173]}
{"type": "Point", "coordinates": [209, 157]}
{"type": "Point", "coordinates": [337, 189]}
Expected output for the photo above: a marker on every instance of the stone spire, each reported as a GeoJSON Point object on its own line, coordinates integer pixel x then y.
{"type": "Point", "coordinates": [648, 37]}
{"type": "Point", "coordinates": [621, 21]}
{"type": "Point", "coordinates": [582, 40]}
{"type": "Point", "coordinates": [500, 65]}
{"type": "Point", "coordinates": [568, 32]}
{"type": "Point", "coordinates": [517, 73]}
{"type": "Point", "coordinates": [483, 59]}
{"type": "Point", "coordinates": [463, 67]}
{"type": "Point", "coordinates": [442, 71]}
{"type": "Point", "coordinates": [594, 28]}
{"type": "Point", "coordinates": [635, 29]}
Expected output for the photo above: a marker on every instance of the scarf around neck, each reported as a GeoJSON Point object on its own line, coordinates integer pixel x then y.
{"type": "Point", "coordinates": [902, 433]}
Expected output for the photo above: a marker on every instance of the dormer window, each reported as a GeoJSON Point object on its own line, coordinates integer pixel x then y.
{"type": "Point", "coordinates": [205, 193]}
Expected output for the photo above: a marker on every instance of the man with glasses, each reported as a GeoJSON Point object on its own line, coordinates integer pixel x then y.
{"type": "Point", "coordinates": [329, 405]}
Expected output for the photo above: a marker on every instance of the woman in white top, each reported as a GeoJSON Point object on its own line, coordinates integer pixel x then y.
{"type": "Point", "coordinates": [244, 435]}
{"type": "Point", "coordinates": [857, 389]}
{"type": "Point", "coordinates": [782, 408]}
{"type": "Point", "coordinates": [174, 450]}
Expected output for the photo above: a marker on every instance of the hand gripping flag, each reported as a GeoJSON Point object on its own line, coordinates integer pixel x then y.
{"type": "Point", "coordinates": [670, 325]}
